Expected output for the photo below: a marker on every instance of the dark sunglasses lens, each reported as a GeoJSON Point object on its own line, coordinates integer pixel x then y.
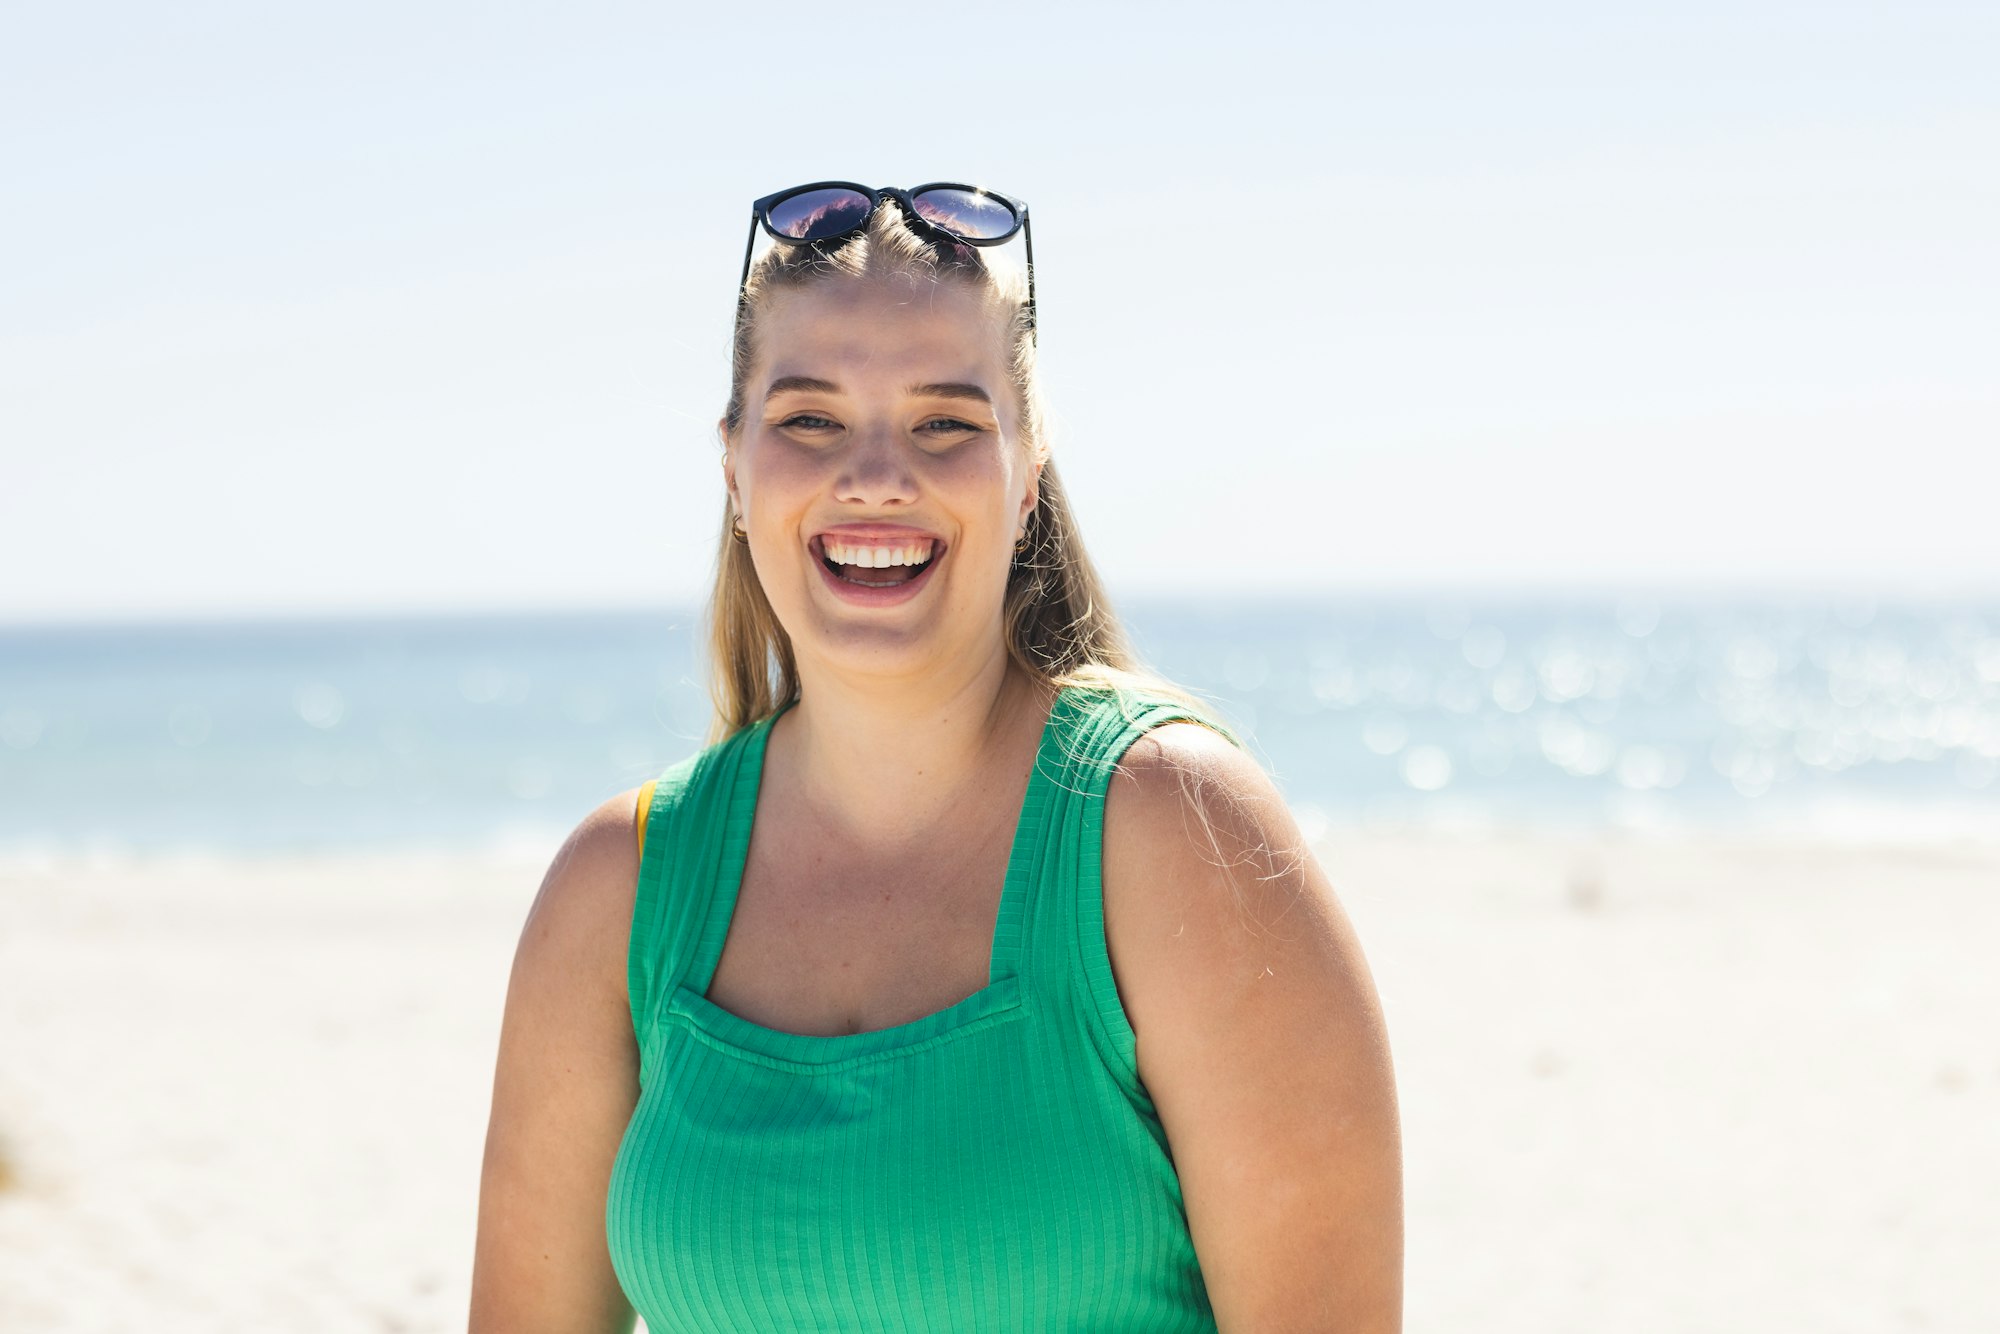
{"type": "Point", "coordinates": [818, 213]}
{"type": "Point", "coordinates": [963, 213]}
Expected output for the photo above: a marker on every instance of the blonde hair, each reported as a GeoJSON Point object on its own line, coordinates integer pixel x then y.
{"type": "Point", "coordinates": [1057, 620]}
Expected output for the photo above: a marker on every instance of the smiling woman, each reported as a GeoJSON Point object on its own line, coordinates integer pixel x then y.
{"type": "Point", "coordinates": [972, 976]}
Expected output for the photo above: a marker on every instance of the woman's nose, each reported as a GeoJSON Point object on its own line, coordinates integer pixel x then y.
{"type": "Point", "coordinates": [876, 467]}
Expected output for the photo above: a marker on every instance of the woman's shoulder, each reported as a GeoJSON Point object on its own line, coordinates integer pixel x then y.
{"type": "Point", "coordinates": [1199, 848]}
{"type": "Point", "coordinates": [582, 911]}
{"type": "Point", "coordinates": [1260, 1033]}
{"type": "Point", "coordinates": [675, 783]}
{"type": "Point", "coordinates": [591, 888]}
{"type": "Point", "coordinates": [1208, 879]}
{"type": "Point", "coordinates": [1193, 774]}
{"type": "Point", "coordinates": [1145, 702]}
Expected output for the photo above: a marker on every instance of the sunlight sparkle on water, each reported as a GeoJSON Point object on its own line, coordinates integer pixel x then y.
{"type": "Point", "coordinates": [1483, 646]}
{"type": "Point", "coordinates": [20, 727]}
{"type": "Point", "coordinates": [1384, 733]}
{"type": "Point", "coordinates": [319, 705]}
{"type": "Point", "coordinates": [1426, 768]}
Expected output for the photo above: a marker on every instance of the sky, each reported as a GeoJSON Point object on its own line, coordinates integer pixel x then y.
{"type": "Point", "coordinates": [319, 309]}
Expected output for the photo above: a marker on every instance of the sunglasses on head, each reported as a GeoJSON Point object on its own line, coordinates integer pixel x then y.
{"type": "Point", "coordinates": [828, 210]}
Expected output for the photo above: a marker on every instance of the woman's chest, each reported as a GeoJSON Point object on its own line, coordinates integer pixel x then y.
{"type": "Point", "coordinates": [975, 1171]}
{"type": "Point", "coordinates": [825, 942]}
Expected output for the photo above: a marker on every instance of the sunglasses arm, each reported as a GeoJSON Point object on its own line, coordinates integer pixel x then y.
{"type": "Point", "coordinates": [749, 245]}
{"type": "Point", "coordinates": [1028, 246]}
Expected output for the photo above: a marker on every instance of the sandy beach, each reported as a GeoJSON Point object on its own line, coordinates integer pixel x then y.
{"type": "Point", "coordinates": [1647, 1084]}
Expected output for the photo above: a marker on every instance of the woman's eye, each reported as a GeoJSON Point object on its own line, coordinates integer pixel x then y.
{"type": "Point", "coordinates": [812, 421]}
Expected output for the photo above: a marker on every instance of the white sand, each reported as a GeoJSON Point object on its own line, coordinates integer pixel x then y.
{"type": "Point", "coordinates": [1646, 1085]}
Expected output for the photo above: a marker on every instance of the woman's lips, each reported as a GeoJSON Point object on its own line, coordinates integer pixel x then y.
{"type": "Point", "coordinates": [885, 595]}
{"type": "Point", "coordinates": [888, 534]}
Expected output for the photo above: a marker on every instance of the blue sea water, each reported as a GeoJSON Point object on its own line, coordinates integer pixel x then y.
{"type": "Point", "coordinates": [1846, 718]}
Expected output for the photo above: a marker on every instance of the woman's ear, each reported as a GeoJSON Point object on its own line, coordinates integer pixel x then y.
{"type": "Point", "coordinates": [728, 462]}
{"type": "Point", "coordinates": [1034, 495]}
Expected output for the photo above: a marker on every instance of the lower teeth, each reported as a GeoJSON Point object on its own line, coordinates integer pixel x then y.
{"type": "Point", "coordinates": [885, 583]}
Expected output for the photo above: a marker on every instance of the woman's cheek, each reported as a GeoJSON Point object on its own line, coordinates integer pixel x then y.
{"type": "Point", "coordinates": [968, 468]}
{"type": "Point", "coordinates": [783, 466]}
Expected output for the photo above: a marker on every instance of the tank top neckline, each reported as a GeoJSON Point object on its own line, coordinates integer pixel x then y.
{"type": "Point", "coordinates": [995, 1002]}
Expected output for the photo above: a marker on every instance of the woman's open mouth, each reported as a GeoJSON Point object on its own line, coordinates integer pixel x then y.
{"type": "Point", "coordinates": [877, 573]}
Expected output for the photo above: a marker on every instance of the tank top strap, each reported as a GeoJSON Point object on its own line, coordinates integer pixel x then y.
{"type": "Point", "coordinates": [698, 819]}
{"type": "Point", "coordinates": [1068, 962]}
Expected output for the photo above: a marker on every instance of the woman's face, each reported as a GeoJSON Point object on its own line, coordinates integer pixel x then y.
{"type": "Point", "coordinates": [880, 428]}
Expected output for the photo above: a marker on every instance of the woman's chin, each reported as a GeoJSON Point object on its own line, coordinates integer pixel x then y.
{"type": "Point", "coordinates": [832, 636]}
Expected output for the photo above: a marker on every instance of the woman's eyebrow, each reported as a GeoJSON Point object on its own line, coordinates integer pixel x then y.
{"type": "Point", "coordinates": [802, 384]}
{"type": "Point", "coordinates": [966, 391]}
{"type": "Point", "coordinates": [811, 384]}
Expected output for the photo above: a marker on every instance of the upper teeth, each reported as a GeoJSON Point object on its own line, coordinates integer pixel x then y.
{"type": "Point", "coordinates": [841, 553]}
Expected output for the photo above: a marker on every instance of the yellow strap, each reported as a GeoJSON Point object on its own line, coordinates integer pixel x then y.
{"type": "Point", "coordinates": [645, 809]}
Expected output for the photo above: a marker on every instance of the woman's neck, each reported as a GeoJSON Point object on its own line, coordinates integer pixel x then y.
{"type": "Point", "coordinates": [881, 765]}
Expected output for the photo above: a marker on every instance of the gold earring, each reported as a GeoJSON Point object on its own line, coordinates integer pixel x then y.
{"type": "Point", "coordinates": [736, 530]}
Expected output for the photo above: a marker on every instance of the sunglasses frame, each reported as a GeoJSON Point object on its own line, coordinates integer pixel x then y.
{"type": "Point", "coordinates": [760, 215]}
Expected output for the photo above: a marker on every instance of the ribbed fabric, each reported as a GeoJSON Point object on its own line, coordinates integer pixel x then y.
{"type": "Point", "coordinates": [996, 1165]}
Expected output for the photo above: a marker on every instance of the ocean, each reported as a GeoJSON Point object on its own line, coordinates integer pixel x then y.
{"type": "Point", "coordinates": [1856, 719]}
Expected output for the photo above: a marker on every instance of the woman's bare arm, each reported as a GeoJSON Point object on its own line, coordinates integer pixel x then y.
{"type": "Point", "coordinates": [1261, 1040]}
{"type": "Point", "coordinates": [565, 1085]}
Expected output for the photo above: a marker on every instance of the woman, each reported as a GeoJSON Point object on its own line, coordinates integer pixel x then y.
{"type": "Point", "coordinates": [972, 978]}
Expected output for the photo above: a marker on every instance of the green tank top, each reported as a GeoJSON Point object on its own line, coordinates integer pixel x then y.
{"type": "Point", "coordinates": [996, 1165]}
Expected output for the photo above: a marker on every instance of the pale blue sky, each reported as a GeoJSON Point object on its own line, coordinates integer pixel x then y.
{"type": "Point", "coordinates": [425, 306]}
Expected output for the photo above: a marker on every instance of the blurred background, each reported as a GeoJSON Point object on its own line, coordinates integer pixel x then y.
{"type": "Point", "coordinates": [1562, 438]}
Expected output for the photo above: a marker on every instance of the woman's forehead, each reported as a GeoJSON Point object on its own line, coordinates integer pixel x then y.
{"type": "Point", "coordinates": [935, 331]}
